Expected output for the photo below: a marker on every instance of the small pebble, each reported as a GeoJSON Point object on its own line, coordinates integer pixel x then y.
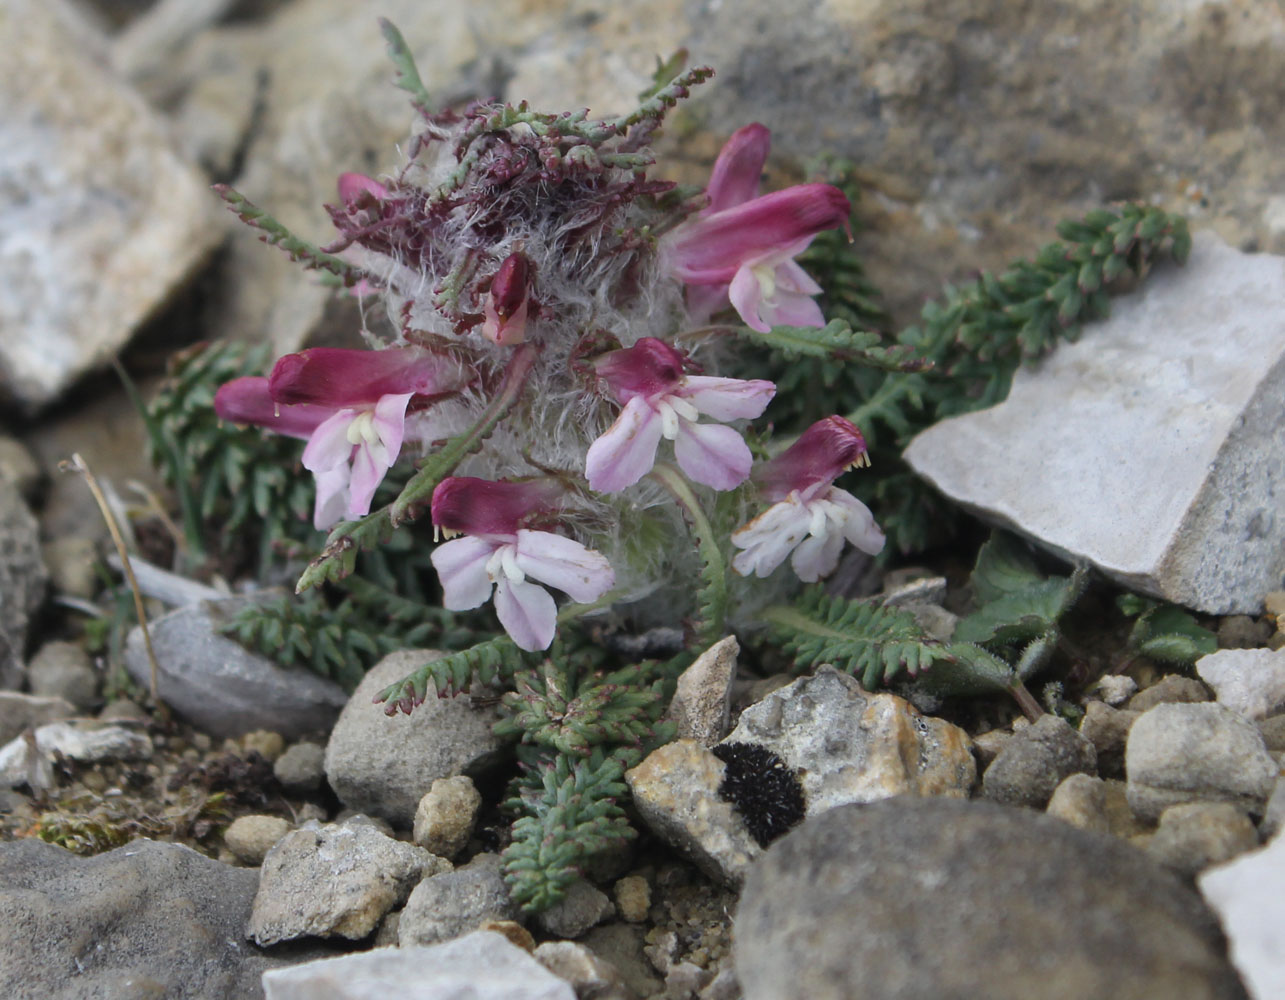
{"type": "Point", "coordinates": [511, 929]}
{"type": "Point", "coordinates": [1107, 729]}
{"type": "Point", "coordinates": [123, 710]}
{"type": "Point", "coordinates": [1195, 835]}
{"type": "Point", "coordinates": [1035, 761]}
{"type": "Point", "coordinates": [1273, 731]}
{"type": "Point", "coordinates": [63, 670]}
{"type": "Point", "coordinates": [1081, 801]}
{"type": "Point", "coordinates": [251, 837]}
{"type": "Point", "coordinates": [633, 898]}
{"type": "Point", "coordinates": [302, 767]}
{"type": "Point", "coordinates": [1274, 604]}
{"type": "Point", "coordinates": [987, 746]}
{"type": "Point", "coordinates": [592, 978]}
{"type": "Point", "coordinates": [1170, 689]}
{"type": "Point", "coordinates": [583, 907]}
{"type": "Point", "coordinates": [267, 744]}
{"type": "Point", "coordinates": [95, 781]}
{"type": "Point", "coordinates": [446, 815]}
{"type": "Point", "coordinates": [1243, 632]}
{"type": "Point", "coordinates": [1115, 689]}
{"type": "Point", "coordinates": [71, 566]}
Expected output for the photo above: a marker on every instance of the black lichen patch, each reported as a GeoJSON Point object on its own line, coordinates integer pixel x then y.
{"type": "Point", "coordinates": [761, 788]}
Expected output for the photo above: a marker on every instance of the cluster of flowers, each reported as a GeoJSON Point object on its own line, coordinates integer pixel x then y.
{"type": "Point", "coordinates": [357, 409]}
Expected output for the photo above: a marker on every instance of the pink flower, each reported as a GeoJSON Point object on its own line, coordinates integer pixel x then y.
{"type": "Point", "coordinates": [741, 246]}
{"type": "Point", "coordinates": [811, 516]}
{"type": "Point", "coordinates": [351, 406]}
{"type": "Point", "coordinates": [660, 401]}
{"type": "Point", "coordinates": [499, 550]}
{"type": "Point", "coordinates": [505, 309]}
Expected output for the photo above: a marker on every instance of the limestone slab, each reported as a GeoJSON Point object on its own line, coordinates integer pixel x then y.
{"type": "Point", "coordinates": [1153, 448]}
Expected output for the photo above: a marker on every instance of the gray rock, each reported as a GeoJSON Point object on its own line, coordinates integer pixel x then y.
{"type": "Point", "coordinates": [1195, 835]}
{"type": "Point", "coordinates": [336, 880]}
{"type": "Point", "coordinates": [147, 919]}
{"type": "Point", "coordinates": [302, 768]}
{"type": "Point", "coordinates": [446, 815]}
{"type": "Point", "coordinates": [1273, 733]}
{"type": "Point", "coordinates": [1160, 392]}
{"type": "Point", "coordinates": [849, 745]}
{"type": "Point", "coordinates": [105, 221]}
{"type": "Point", "coordinates": [250, 838]}
{"type": "Point", "coordinates": [1248, 681]}
{"type": "Point", "coordinates": [63, 670]}
{"type": "Point", "coordinates": [1081, 800]}
{"type": "Point", "coordinates": [456, 902]}
{"type": "Point", "coordinates": [220, 686]}
{"type": "Point", "coordinates": [583, 907]}
{"type": "Point", "coordinates": [1249, 897]}
{"type": "Point", "coordinates": [1196, 753]}
{"type": "Point", "coordinates": [882, 901]}
{"type": "Point", "coordinates": [590, 976]}
{"type": "Point", "coordinates": [703, 696]}
{"type": "Point", "coordinates": [1107, 729]}
{"type": "Point", "coordinates": [1034, 762]}
{"type": "Point", "coordinates": [1243, 632]}
{"type": "Point", "coordinates": [22, 572]}
{"type": "Point", "coordinates": [1273, 820]}
{"type": "Point", "coordinates": [675, 790]}
{"type": "Point", "coordinates": [479, 966]}
{"type": "Point", "coordinates": [1115, 689]}
{"type": "Point", "coordinates": [24, 711]}
{"type": "Point", "coordinates": [621, 945]}
{"type": "Point", "coordinates": [384, 764]}
{"type": "Point", "coordinates": [1170, 689]}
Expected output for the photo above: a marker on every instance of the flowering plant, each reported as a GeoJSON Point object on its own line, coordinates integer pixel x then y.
{"type": "Point", "coordinates": [550, 305]}
{"type": "Point", "coordinates": [555, 315]}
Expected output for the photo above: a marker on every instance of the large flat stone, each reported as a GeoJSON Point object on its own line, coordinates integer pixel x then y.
{"type": "Point", "coordinates": [102, 219]}
{"type": "Point", "coordinates": [1154, 447]}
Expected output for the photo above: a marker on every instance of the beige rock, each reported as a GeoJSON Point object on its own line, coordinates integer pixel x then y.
{"type": "Point", "coordinates": [1107, 729]}
{"type": "Point", "coordinates": [633, 898]}
{"type": "Point", "coordinates": [1081, 800]}
{"type": "Point", "coordinates": [445, 816]}
{"type": "Point", "coordinates": [1195, 835]}
{"type": "Point", "coordinates": [675, 790]}
{"type": "Point", "coordinates": [103, 220]}
{"type": "Point", "coordinates": [266, 743]}
{"type": "Point", "coordinates": [250, 838]}
{"type": "Point", "coordinates": [702, 697]}
{"type": "Point", "coordinates": [1170, 689]}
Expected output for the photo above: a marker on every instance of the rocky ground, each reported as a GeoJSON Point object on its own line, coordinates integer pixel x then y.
{"type": "Point", "coordinates": [1125, 846]}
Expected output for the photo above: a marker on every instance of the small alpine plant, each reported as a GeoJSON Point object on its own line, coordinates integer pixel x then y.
{"type": "Point", "coordinates": [549, 358]}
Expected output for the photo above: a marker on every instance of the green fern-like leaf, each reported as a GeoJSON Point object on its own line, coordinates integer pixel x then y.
{"type": "Point", "coordinates": [571, 813]}
{"type": "Point", "coordinates": [276, 234]}
{"type": "Point", "coordinates": [407, 77]}
{"type": "Point", "coordinates": [876, 644]}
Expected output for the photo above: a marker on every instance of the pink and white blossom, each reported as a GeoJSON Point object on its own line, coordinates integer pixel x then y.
{"type": "Point", "coordinates": [741, 247]}
{"type": "Point", "coordinates": [661, 401]}
{"type": "Point", "coordinates": [810, 517]}
{"type": "Point", "coordinates": [352, 408]}
{"type": "Point", "coordinates": [501, 553]}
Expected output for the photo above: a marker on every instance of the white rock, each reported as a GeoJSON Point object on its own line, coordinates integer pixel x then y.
{"type": "Point", "coordinates": [849, 745]}
{"type": "Point", "coordinates": [84, 744]}
{"type": "Point", "coordinates": [479, 966]}
{"type": "Point", "coordinates": [1154, 447]}
{"type": "Point", "coordinates": [1248, 681]}
{"type": "Point", "coordinates": [703, 695]}
{"type": "Point", "coordinates": [1249, 896]}
{"type": "Point", "coordinates": [102, 219]}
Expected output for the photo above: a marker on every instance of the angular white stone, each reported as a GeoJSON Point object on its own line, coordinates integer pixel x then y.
{"type": "Point", "coordinates": [1154, 448]}
{"type": "Point", "coordinates": [483, 965]}
{"type": "Point", "coordinates": [1248, 895]}
{"type": "Point", "coordinates": [102, 219]}
{"type": "Point", "coordinates": [1248, 681]}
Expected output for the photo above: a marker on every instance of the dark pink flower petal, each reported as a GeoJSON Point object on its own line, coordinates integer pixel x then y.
{"type": "Point", "coordinates": [247, 401]}
{"type": "Point", "coordinates": [351, 187]}
{"type": "Point", "coordinates": [649, 367]}
{"type": "Point", "coordinates": [491, 508]}
{"type": "Point", "coordinates": [710, 249]}
{"type": "Point", "coordinates": [338, 377]}
{"type": "Point", "coordinates": [735, 178]}
{"type": "Point", "coordinates": [821, 454]}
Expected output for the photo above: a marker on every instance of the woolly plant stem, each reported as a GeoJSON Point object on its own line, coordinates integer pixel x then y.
{"type": "Point", "coordinates": [439, 466]}
{"type": "Point", "coordinates": [712, 596]}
